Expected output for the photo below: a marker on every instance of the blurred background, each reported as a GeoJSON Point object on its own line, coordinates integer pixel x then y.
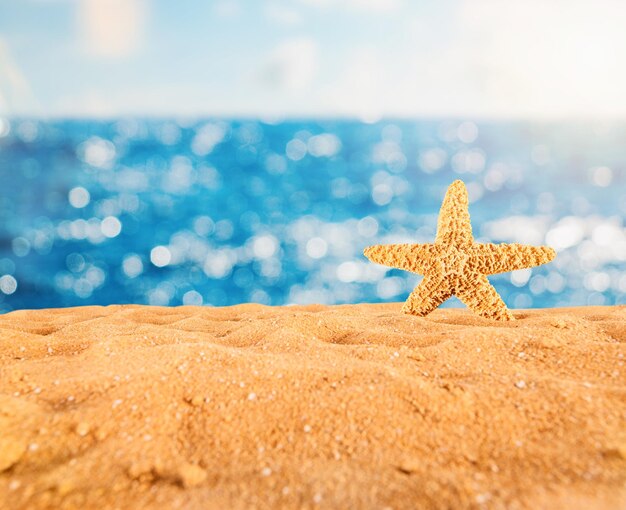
{"type": "Point", "coordinates": [228, 151]}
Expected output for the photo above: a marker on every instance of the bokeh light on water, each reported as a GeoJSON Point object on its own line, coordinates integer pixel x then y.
{"type": "Point", "coordinates": [220, 212]}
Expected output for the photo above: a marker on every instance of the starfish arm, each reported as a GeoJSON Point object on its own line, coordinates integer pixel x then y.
{"type": "Point", "coordinates": [428, 295]}
{"type": "Point", "coordinates": [410, 257]}
{"type": "Point", "coordinates": [453, 226]}
{"type": "Point", "coordinates": [502, 258]}
{"type": "Point", "coordinates": [481, 297]}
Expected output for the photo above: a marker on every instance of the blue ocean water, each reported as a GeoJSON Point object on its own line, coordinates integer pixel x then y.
{"type": "Point", "coordinates": [220, 212]}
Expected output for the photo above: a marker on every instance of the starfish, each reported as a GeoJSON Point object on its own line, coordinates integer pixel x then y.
{"type": "Point", "coordinates": [456, 265]}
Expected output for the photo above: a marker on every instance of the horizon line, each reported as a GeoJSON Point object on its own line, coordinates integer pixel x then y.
{"type": "Point", "coordinates": [292, 118]}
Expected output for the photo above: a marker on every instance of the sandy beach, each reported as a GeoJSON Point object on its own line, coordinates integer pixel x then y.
{"type": "Point", "coordinates": [355, 406]}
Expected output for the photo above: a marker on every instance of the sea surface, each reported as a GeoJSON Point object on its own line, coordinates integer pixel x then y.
{"type": "Point", "coordinates": [219, 212]}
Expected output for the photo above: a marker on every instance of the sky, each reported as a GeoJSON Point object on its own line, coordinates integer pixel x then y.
{"type": "Point", "coordinates": [313, 58]}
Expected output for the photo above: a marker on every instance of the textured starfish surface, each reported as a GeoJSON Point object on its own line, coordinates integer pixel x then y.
{"type": "Point", "coordinates": [456, 265]}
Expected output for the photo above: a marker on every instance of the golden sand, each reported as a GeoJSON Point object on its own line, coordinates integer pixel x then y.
{"type": "Point", "coordinates": [455, 264]}
{"type": "Point", "coordinates": [335, 407]}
